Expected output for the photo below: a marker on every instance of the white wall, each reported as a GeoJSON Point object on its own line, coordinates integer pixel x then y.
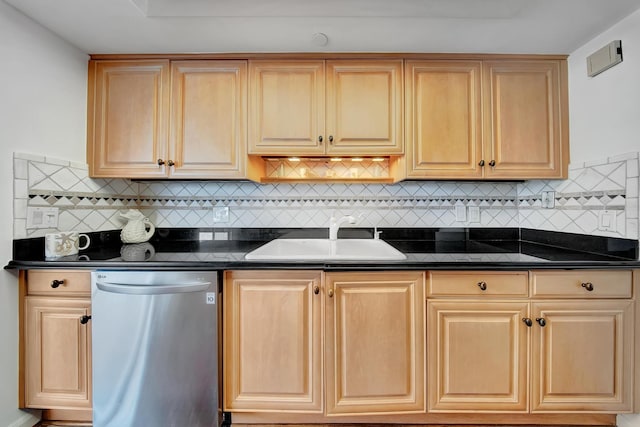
{"type": "Point", "coordinates": [604, 110]}
{"type": "Point", "coordinates": [42, 110]}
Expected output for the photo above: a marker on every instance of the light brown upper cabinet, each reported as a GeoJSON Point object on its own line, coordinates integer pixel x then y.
{"type": "Point", "coordinates": [208, 119]}
{"type": "Point", "coordinates": [317, 107]}
{"type": "Point", "coordinates": [444, 119]}
{"type": "Point", "coordinates": [492, 119]}
{"type": "Point", "coordinates": [156, 119]}
{"type": "Point", "coordinates": [128, 118]}
{"type": "Point", "coordinates": [526, 119]}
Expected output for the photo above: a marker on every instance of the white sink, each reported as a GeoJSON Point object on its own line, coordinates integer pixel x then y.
{"type": "Point", "coordinates": [325, 249]}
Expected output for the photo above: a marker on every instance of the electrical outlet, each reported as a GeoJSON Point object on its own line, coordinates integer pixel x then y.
{"type": "Point", "coordinates": [548, 199]}
{"type": "Point", "coordinates": [42, 217]}
{"type": "Point", "coordinates": [205, 235]}
{"type": "Point", "coordinates": [474, 213]}
{"type": "Point", "coordinates": [221, 215]}
{"type": "Point", "coordinates": [461, 213]}
{"type": "Point", "coordinates": [221, 235]}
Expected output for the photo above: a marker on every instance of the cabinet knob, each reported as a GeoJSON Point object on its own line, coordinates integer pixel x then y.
{"type": "Point", "coordinates": [170, 163]}
{"type": "Point", "coordinates": [85, 319]}
{"type": "Point", "coordinates": [330, 293]}
{"type": "Point", "coordinates": [160, 162]}
{"type": "Point", "coordinates": [541, 321]}
{"type": "Point", "coordinates": [330, 139]}
{"type": "Point", "coordinates": [492, 163]}
{"type": "Point", "coordinates": [316, 289]}
{"type": "Point", "coordinates": [482, 286]}
{"type": "Point", "coordinates": [481, 164]}
{"type": "Point", "coordinates": [527, 321]}
{"type": "Point", "coordinates": [320, 139]}
{"type": "Point", "coordinates": [588, 286]}
{"type": "Point", "coordinates": [55, 283]}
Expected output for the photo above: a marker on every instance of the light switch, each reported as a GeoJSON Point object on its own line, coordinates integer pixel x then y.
{"type": "Point", "coordinates": [607, 221]}
{"type": "Point", "coordinates": [474, 213]}
{"type": "Point", "coordinates": [42, 217]}
{"type": "Point", "coordinates": [461, 213]}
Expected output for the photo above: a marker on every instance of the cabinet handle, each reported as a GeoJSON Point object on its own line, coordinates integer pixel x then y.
{"type": "Point", "coordinates": [170, 163]}
{"type": "Point", "coordinates": [492, 163]}
{"type": "Point", "coordinates": [541, 321]}
{"type": "Point", "coordinates": [482, 286]}
{"type": "Point", "coordinates": [330, 139]}
{"type": "Point", "coordinates": [330, 293]}
{"type": "Point", "coordinates": [85, 319]}
{"type": "Point", "coordinates": [316, 290]}
{"type": "Point", "coordinates": [527, 321]}
{"type": "Point", "coordinates": [481, 164]}
{"type": "Point", "coordinates": [320, 139]}
{"type": "Point", "coordinates": [55, 283]}
{"type": "Point", "coordinates": [160, 162]}
{"type": "Point", "coordinates": [588, 286]}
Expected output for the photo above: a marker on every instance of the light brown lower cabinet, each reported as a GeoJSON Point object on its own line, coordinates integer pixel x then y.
{"type": "Point", "coordinates": [478, 356]}
{"type": "Point", "coordinates": [538, 355]}
{"type": "Point", "coordinates": [440, 347]}
{"type": "Point", "coordinates": [582, 358]}
{"type": "Point", "coordinates": [56, 356]}
{"type": "Point", "coordinates": [373, 324]}
{"type": "Point", "coordinates": [273, 341]}
{"type": "Point", "coordinates": [374, 343]}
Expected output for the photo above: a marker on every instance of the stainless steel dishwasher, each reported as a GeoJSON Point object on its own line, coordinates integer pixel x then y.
{"type": "Point", "coordinates": [155, 348]}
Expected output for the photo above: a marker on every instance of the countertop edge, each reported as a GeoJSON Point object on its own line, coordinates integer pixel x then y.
{"type": "Point", "coordinates": [325, 266]}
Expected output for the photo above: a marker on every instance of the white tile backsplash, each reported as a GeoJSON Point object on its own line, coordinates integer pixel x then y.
{"type": "Point", "coordinates": [592, 187]}
{"type": "Point", "coordinates": [95, 204]}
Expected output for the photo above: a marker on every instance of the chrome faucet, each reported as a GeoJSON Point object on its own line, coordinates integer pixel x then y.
{"type": "Point", "coordinates": [334, 225]}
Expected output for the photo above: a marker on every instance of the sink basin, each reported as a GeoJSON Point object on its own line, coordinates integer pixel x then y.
{"type": "Point", "coordinates": [325, 249]}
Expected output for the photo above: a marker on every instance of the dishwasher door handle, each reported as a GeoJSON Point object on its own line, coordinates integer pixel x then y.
{"type": "Point", "coordinates": [133, 289]}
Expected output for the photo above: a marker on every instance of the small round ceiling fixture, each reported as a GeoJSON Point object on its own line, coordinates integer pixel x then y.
{"type": "Point", "coordinates": [320, 39]}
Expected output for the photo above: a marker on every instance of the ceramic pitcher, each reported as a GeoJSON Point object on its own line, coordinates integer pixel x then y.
{"type": "Point", "coordinates": [138, 228]}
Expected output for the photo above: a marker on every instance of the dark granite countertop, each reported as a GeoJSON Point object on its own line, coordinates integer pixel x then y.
{"type": "Point", "coordinates": [425, 248]}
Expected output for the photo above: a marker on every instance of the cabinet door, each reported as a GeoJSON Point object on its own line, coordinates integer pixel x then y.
{"type": "Point", "coordinates": [526, 119]}
{"type": "Point", "coordinates": [286, 107]}
{"type": "Point", "coordinates": [478, 356]}
{"type": "Point", "coordinates": [208, 119]}
{"type": "Point", "coordinates": [272, 341]}
{"type": "Point", "coordinates": [375, 343]}
{"type": "Point", "coordinates": [57, 353]}
{"type": "Point", "coordinates": [128, 118]}
{"type": "Point", "coordinates": [443, 119]}
{"type": "Point", "coordinates": [583, 356]}
{"type": "Point", "coordinates": [364, 107]}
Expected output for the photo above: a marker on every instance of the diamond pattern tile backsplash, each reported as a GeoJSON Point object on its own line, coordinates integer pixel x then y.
{"type": "Point", "coordinates": [595, 188]}
{"type": "Point", "coordinates": [86, 204]}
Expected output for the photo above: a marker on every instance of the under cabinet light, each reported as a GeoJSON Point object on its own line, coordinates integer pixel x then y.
{"type": "Point", "coordinates": [294, 159]}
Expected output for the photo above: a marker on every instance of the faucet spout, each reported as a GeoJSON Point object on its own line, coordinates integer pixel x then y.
{"type": "Point", "coordinates": [334, 225]}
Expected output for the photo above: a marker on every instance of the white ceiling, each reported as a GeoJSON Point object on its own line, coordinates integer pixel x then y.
{"type": "Point", "coordinates": [174, 26]}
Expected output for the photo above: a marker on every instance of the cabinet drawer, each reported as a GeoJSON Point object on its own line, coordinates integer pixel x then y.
{"type": "Point", "coordinates": [474, 283]}
{"type": "Point", "coordinates": [581, 284]}
{"type": "Point", "coordinates": [41, 282]}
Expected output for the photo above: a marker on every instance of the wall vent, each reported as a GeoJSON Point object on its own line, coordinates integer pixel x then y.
{"type": "Point", "coordinates": [604, 58]}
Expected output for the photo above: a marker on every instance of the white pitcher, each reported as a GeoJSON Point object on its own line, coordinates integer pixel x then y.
{"type": "Point", "coordinates": [138, 229]}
